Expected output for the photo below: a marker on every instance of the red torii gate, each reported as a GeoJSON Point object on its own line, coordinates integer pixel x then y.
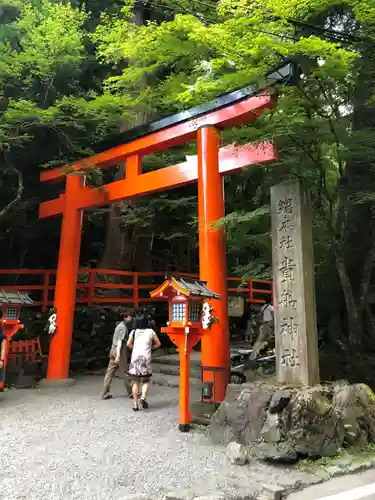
{"type": "Point", "coordinates": [207, 168]}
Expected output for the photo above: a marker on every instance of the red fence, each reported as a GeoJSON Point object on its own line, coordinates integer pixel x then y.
{"type": "Point", "coordinates": [108, 286]}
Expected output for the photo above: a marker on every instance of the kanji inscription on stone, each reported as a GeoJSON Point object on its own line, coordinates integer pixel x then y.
{"type": "Point", "coordinates": [290, 358]}
{"type": "Point", "coordinates": [293, 281]}
{"type": "Point", "coordinates": [287, 269]}
{"type": "Point", "coordinates": [286, 242]}
{"type": "Point", "coordinates": [289, 326]}
{"type": "Point", "coordinates": [285, 206]}
{"type": "Point", "coordinates": [285, 223]}
{"type": "Point", "coordinates": [287, 299]}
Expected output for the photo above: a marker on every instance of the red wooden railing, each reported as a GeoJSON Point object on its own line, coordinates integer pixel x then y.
{"type": "Point", "coordinates": [133, 289]}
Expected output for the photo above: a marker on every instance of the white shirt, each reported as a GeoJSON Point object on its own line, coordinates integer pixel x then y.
{"type": "Point", "coordinates": [268, 312]}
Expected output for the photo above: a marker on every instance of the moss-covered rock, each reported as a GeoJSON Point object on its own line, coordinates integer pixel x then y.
{"type": "Point", "coordinates": [311, 421]}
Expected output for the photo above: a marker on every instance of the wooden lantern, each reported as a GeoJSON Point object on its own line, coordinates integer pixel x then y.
{"type": "Point", "coordinates": [11, 304]}
{"type": "Point", "coordinates": [185, 297]}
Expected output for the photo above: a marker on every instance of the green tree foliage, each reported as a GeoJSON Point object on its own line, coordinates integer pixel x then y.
{"type": "Point", "coordinates": [52, 107]}
{"type": "Point", "coordinates": [323, 127]}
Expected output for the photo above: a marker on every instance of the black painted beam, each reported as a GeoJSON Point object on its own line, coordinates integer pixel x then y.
{"type": "Point", "coordinates": [286, 74]}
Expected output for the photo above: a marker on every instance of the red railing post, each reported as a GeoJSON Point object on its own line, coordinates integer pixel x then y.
{"type": "Point", "coordinates": [135, 290]}
{"type": "Point", "coordinates": [91, 288]}
{"type": "Point", "coordinates": [45, 292]}
{"type": "Point", "coordinates": [254, 288]}
{"type": "Point", "coordinates": [251, 290]}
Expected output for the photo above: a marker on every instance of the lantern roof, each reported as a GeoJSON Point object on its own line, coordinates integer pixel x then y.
{"type": "Point", "coordinates": [15, 298]}
{"type": "Point", "coordinates": [188, 287]}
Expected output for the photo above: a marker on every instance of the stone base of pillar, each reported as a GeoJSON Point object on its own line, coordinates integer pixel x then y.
{"type": "Point", "coordinates": [58, 383]}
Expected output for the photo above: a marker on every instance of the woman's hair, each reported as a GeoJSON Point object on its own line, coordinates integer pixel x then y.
{"type": "Point", "coordinates": [141, 322]}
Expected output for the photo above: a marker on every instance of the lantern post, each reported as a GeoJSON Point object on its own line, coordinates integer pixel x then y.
{"type": "Point", "coordinates": [11, 304]}
{"type": "Point", "coordinates": [186, 299]}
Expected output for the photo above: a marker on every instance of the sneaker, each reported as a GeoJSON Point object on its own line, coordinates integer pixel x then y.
{"type": "Point", "coordinates": [107, 395]}
{"type": "Point", "coordinates": [144, 403]}
{"type": "Point", "coordinates": [135, 408]}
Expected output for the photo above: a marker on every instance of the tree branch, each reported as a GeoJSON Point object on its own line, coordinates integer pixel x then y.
{"type": "Point", "coordinates": [332, 129]}
{"type": "Point", "coordinates": [366, 277]}
{"type": "Point", "coordinates": [20, 188]}
{"type": "Point", "coordinates": [48, 89]}
{"type": "Point", "coordinates": [50, 126]}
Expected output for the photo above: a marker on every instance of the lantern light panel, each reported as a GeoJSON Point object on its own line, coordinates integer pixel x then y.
{"type": "Point", "coordinates": [11, 313]}
{"type": "Point", "coordinates": [195, 312]}
{"type": "Point", "coordinates": [178, 311]}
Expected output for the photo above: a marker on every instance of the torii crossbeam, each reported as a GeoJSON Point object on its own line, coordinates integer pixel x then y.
{"type": "Point", "coordinates": [202, 124]}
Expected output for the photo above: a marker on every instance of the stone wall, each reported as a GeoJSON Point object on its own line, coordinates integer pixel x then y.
{"type": "Point", "coordinates": [92, 334]}
{"type": "Point", "coordinates": [281, 423]}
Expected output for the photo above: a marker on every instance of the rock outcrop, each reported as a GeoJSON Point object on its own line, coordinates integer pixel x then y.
{"type": "Point", "coordinates": [281, 423]}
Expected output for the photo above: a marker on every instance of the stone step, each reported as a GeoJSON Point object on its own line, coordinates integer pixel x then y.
{"type": "Point", "coordinates": [201, 410]}
{"type": "Point", "coordinates": [167, 369]}
{"type": "Point", "coordinates": [173, 381]}
{"type": "Point", "coordinates": [174, 360]}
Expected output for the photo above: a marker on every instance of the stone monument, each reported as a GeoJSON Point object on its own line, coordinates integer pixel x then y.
{"type": "Point", "coordinates": [294, 417]}
{"type": "Point", "coordinates": [297, 360]}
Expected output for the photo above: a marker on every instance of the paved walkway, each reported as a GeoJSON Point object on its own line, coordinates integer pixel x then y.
{"type": "Point", "coordinates": [352, 487]}
{"type": "Point", "coordinates": [68, 444]}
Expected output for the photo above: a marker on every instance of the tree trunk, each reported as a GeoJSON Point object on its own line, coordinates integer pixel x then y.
{"type": "Point", "coordinates": [119, 251]}
{"type": "Point", "coordinates": [143, 252]}
{"type": "Point", "coordinates": [366, 278]}
{"type": "Point", "coordinates": [354, 318]}
{"type": "Point", "coordinates": [116, 248]}
{"type": "Point", "coordinates": [370, 327]}
{"type": "Point", "coordinates": [361, 246]}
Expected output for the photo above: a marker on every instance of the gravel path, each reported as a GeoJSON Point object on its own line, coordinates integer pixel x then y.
{"type": "Point", "coordinates": [68, 444]}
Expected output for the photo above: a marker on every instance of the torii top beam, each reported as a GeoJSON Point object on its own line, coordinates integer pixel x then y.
{"type": "Point", "coordinates": [231, 158]}
{"type": "Point", "coordinates": [232, 109]}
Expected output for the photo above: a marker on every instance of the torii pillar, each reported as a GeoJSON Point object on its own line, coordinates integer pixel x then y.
{"type": "Point", "coordinates": [212, 257]}
{"type": "Point", "coordinates": [67, 273]}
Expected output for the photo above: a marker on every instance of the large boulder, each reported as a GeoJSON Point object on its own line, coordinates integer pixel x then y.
{"type": "Point", "coordinates": [280, 423]}
{"type": "Point", "coordinates": [356, 404]}
{"type": "Point", "coordinates": [241, 416]}
{"type": "Point", "coordinates": [311, 424]}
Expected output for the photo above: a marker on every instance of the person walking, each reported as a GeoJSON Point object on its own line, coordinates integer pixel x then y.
{"type": "Point", "coordinates": [118, 353]}
{"type": "Point", "coordinates": [142, 340]}
{"type": "Point", "coordinates": [3, 342]}
{"type": "Point", "coordinates": [267, 313]}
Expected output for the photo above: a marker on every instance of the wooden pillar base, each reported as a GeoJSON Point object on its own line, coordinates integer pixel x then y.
{"type": "Point", "coordinates": [59, 383]}
{"type": "Point", "coordinates": [184, 427]}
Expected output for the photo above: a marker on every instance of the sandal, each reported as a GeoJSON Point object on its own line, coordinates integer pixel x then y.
{"type": "Point", "coordinates": [144, 403]}
{"type": "Point", "coordinates": [135, 407]}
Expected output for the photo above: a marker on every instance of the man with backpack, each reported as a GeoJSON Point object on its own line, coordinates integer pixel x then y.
{"type": "Point", "coordinates": [267, 313]}
{"type": "Point", "coordinates": [3, 342]}
{"type": "Point", "coordinates": [118, 355]}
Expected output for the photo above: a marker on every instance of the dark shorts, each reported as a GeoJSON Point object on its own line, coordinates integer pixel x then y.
{"type": "Point", "coordinates": [141, 379]}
